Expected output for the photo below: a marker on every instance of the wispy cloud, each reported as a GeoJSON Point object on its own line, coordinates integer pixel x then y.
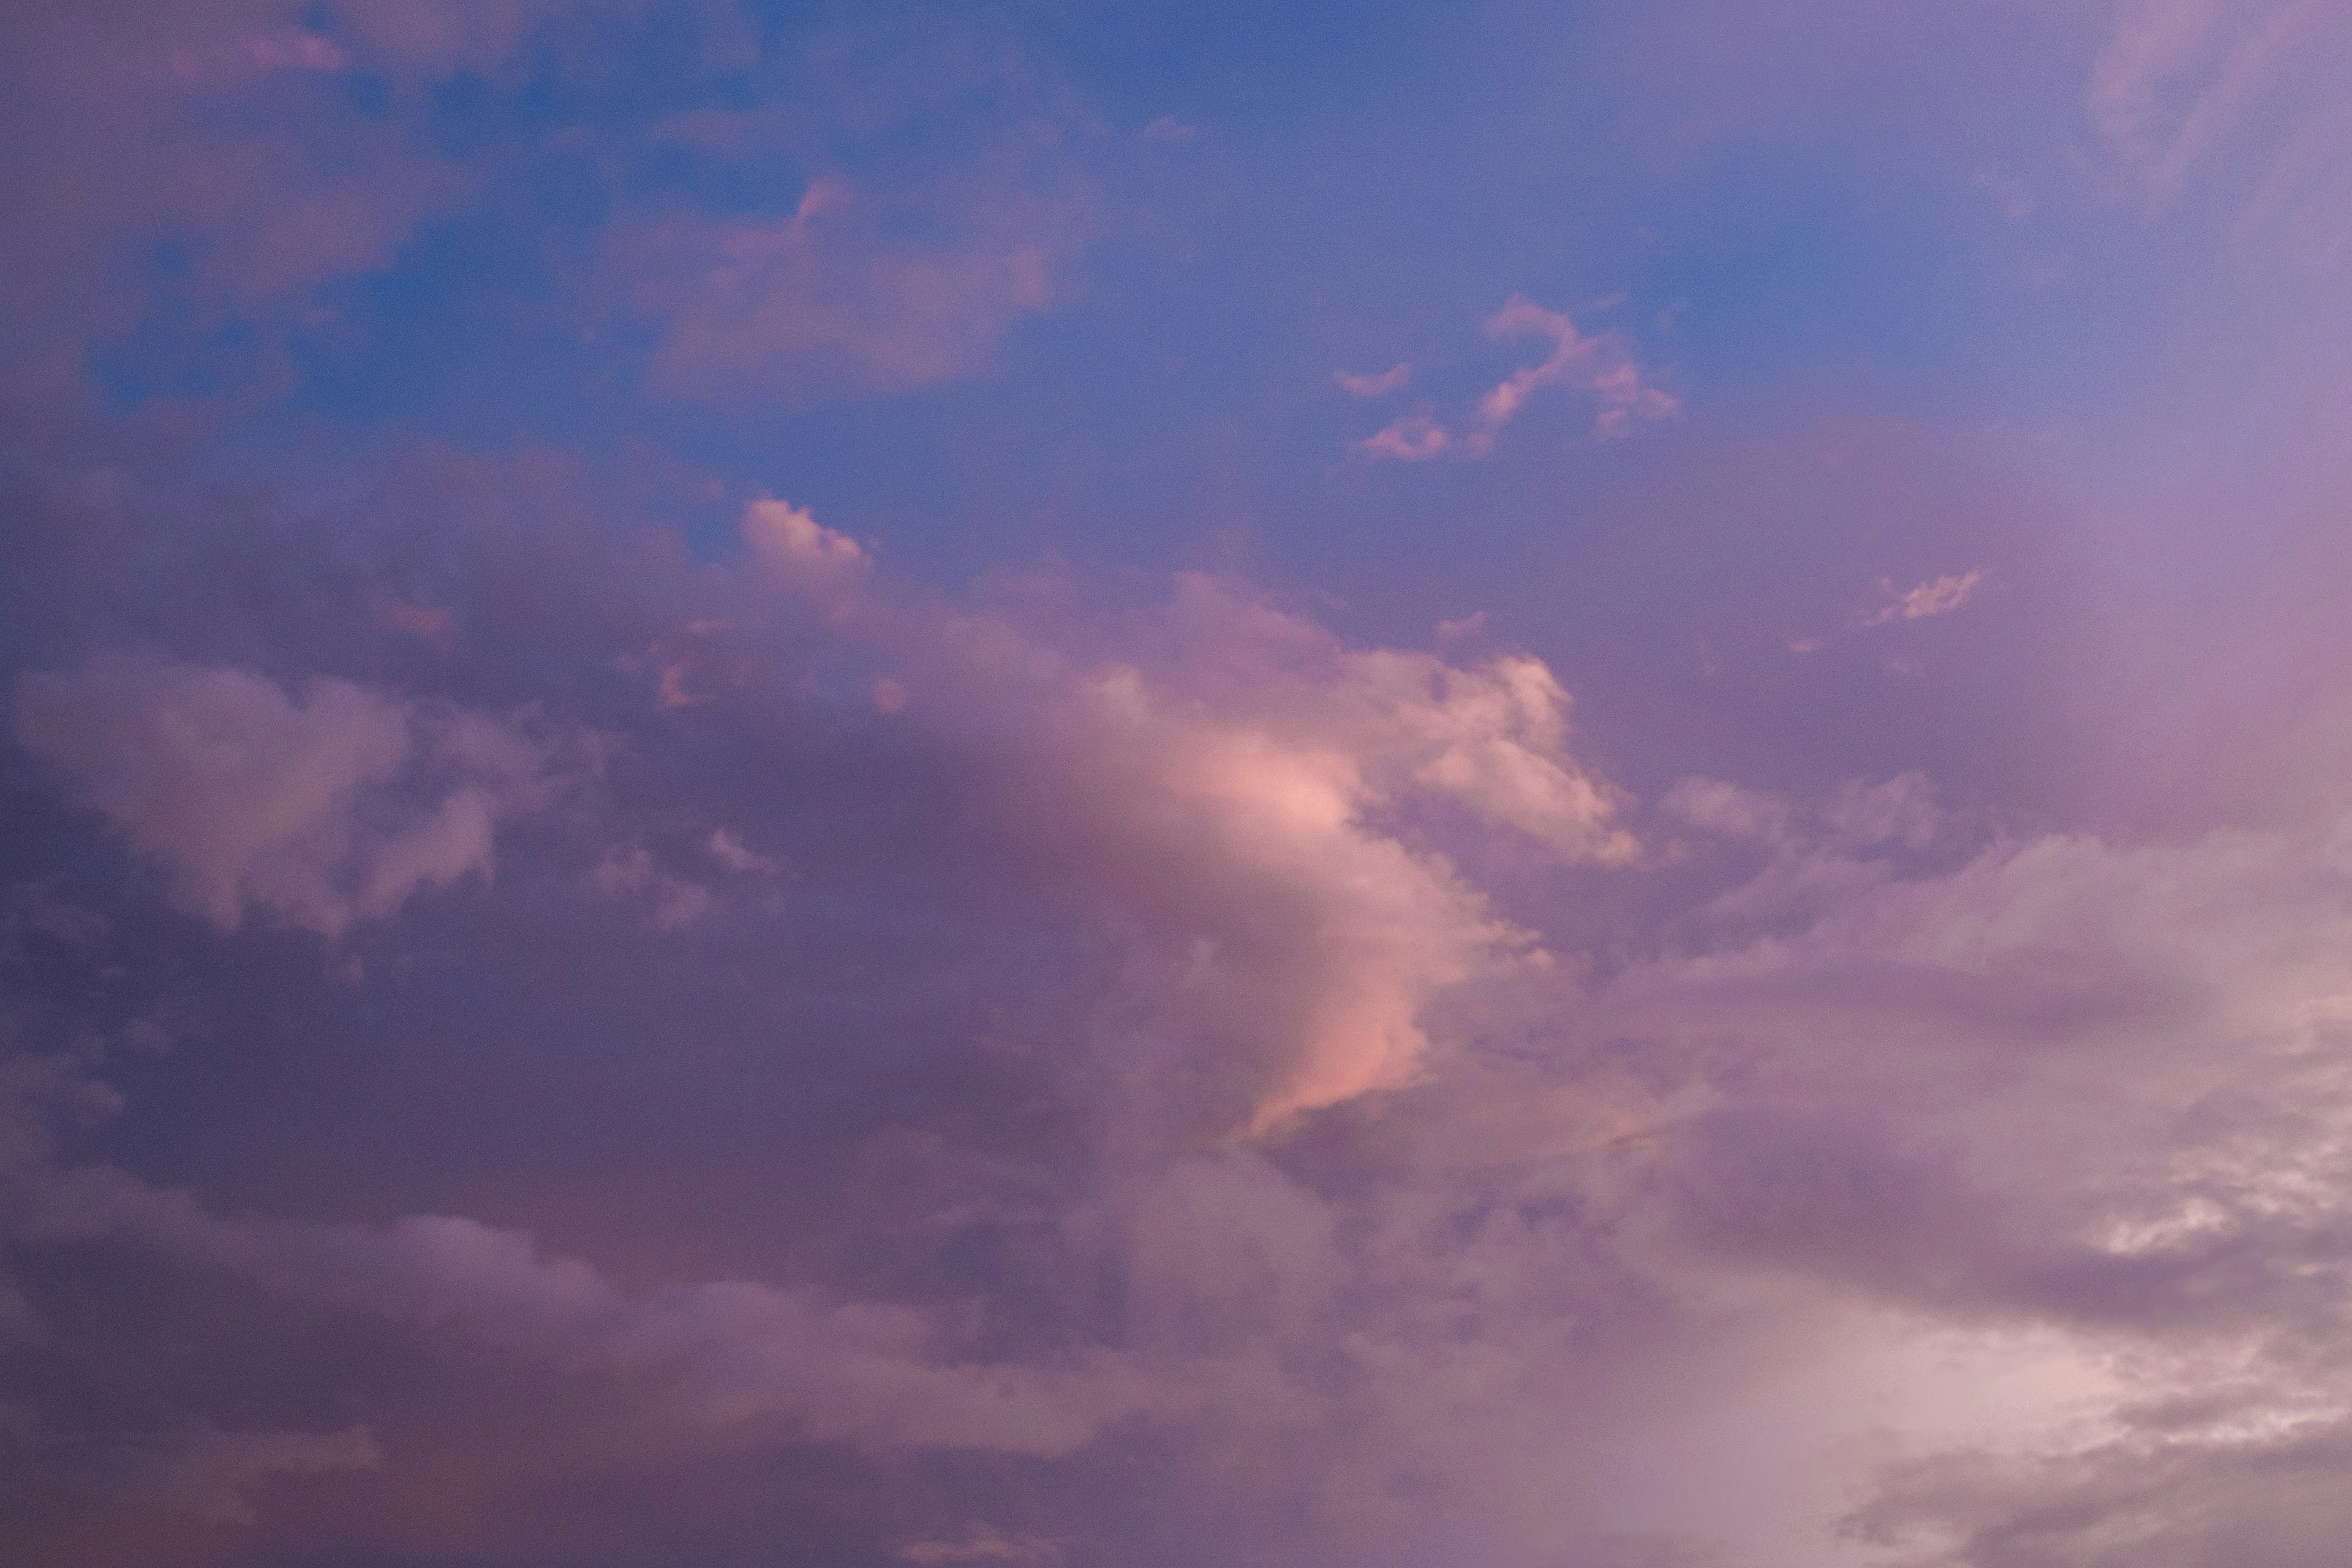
{"type": "Point", "coordinates": [1600, 366]}
{"type": "Point", "coordinates": [2177, 75]}
{"type": "Point", "coordinates": [836, 296]}
{"type": "Point", "coordinates": [1373, 386]}
{"type": "Point", "coordinates": [1939, 597]}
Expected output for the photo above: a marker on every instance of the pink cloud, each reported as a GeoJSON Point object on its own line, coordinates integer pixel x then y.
{"type": "Point", "coordinates": [1385, 382]}
{"type": "Point", "coordinates": [2176, 74]}
{"type": "Point", "coordinates": [327, 806]}
{"type": "Point", "coordinates": [1601, 367]}
{"type": "Point", "coordinates": [1938, 597]}
{"type": "Point", "coordinates": [1414, 439]}
{"type": "Point", "coordinates": [419, 621]}
{"type": "Point", "coordinates": [1247, 769]}
{"type": "Point", "coordinates": [829, 298]}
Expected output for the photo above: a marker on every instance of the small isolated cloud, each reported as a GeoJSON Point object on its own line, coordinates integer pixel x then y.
{"type": "Point", "coordinates": [1939, 597]}
{"type": "Point", "coordinates": [1168, 128]}
{"type": "Point", "coordinates": [1599, 366]}
{"type": "Point", "coordinates": [423, 622]}
{"type": "Point", "coordinates": [1385, 382]}
{"type": "Point", "coordinates": [727, 847]}
{"type": "Point", "coordinates": [789, 542]}
{"type": "Point", "coordinates": [1415, 438]}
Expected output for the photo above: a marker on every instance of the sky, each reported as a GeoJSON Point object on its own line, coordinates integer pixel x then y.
{"type": "Point", "coordinates": [1049, 785]}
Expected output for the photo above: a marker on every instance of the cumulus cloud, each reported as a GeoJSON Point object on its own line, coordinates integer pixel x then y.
{"type": "Point", "coordinates": [1601, 366]}
{"type": "Point", "coordinates": [1232, 796]}
{"type": "Point", "coordinates": [1070, 1068]}
{"type": "Point", "coordinates": [1173, 1046]}
{"type": "Point", "coordinates": [1368, 1220]}
{"type": "Point", "coordinates": [1189, 1043]}
{"type": "Point", "coordinates": [328, 806]}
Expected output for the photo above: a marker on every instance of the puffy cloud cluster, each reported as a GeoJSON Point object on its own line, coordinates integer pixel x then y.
{"type": "Point", "coordinates": [1237, 797]}
{"type": "Point", "coordinates": [1178, 1093]}
{"type": "Point", "coordinates": [812, 1065]}
{"type": "Point", "coordinates": [1284, 1159]}
{"type": "Point", "coordinates": [333, 804]}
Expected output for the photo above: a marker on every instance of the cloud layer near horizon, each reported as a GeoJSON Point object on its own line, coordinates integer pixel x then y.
{"type": "Point", "coordinates": [1319, 1156]}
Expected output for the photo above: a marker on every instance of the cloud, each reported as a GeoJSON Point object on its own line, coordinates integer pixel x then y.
{"type": "Point", "coordinates": [212, 1474]}
{"type": "Point", "coordinates": [1598, 366]}
{"type": "Point", "coordinates": [727, 847]}
{"type": "Point", "coordinates": [1601, 367]}
{"type": "Point", "coordinates": [1939, 597]}
{"type": "Point", "coordinates": [2178, 1231]}
{"type": "Point", "coordinates": [725, 1354]}
{"type": "Point", "coordinates": [1378, 386]}
{"type": "Point", "coordinates": [675, 902]}
{"type": "Point", "coordinates": [793, 546]}
{"type": "Point", "coordinates": [1226, 797]}
{"type": "Point", "coordinates": [327, 806]}
{"type": "Point", "coordinates": [186, 145]}
{"type": "Point", "coordinates": [2176, 74]}
{"type": "Point", "coordinates": [1168, 128]}
{"type": "Point", "coordinates": [981, 1543]}
{"type": "Point", "coordinates": [833, 297]}
{"type": "Point", "coordinates": [1190, 1041]}
{"type": "Point", "coordinates": [1414, 438]}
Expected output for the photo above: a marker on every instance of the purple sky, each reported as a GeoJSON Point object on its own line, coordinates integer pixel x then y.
{"type": "Point", "coordinates": [1338, 786]}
